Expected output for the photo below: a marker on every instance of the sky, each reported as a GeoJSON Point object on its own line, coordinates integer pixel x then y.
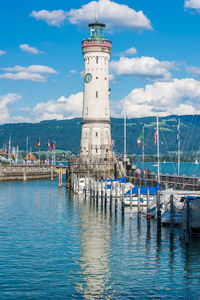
{"type": "Point", "coordinates": [154, 65]}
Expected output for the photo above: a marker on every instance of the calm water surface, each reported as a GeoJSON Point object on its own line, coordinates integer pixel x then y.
{"type": "Point", "coordinates": [55, 245]}
{"type": "Point", "coordinates": [186, 169]}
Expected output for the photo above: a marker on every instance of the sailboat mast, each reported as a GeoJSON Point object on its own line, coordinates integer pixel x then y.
{"type": "Point", "coordinates": [125, 143]}
{"type": "Point", "coordinates": [179, 147]}
{"type": "Point", "coordinates": [143, 149]}
{"type": "Point", "coordinates": [158, 150]}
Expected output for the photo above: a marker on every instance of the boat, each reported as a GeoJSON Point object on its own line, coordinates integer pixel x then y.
{"type": "Point", "coordinates": [143, 195]}
{"type": "Point", "coordinates": [196, 161]}
{"type": "Point", "coordinates": [179, 202]}
{"type": "Point", "coordinates": [191, 218]}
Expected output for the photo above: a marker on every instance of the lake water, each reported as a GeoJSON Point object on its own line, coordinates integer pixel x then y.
{"type": "Point", "coordinates": [55, 245]}
{"type": "Point", "coordinates": [186, 169]}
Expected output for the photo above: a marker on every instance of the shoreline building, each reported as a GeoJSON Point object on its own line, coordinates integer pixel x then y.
{"type": "Point", "coordinates": [96, 134]}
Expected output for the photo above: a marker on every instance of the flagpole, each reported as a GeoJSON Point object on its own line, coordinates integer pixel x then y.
{"type": "Point", "coordinates": [39, 152]}
{"type": "Point", "coordinates": [125, 143]}
{"type": "Point", "coordinates": [143, 149]}
{"type": "Point", "coordinates": [158, 150]}
{"type": "Point", "coordinates": [179, 147]}
{"type": "Point", "coordinates": [27, 144]}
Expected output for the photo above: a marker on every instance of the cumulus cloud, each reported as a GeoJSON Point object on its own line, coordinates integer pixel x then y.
{"type": "Point", "coordinates": [149, 68]}
{"type": "Point", "coordinates": [130, 51]}
{"type": "Point", "coordinates": [2, 52]}
{"type": "Point", "coordinates": [52, 18]}
{"type": "Point", "coordinates": [110, 12]}
{"type": "Point", "coordinates": [29, 49]}
{"type": "Point", "coordinates": [180, 96]}
{"type": "Point", "coordinates": [5, 100]}
{"type": "Point", "coordinates": [192, 4]}
{"type": "Point", "coordinates": [31, 73]}
{"type": "Point", "coordinates": [62, 108]}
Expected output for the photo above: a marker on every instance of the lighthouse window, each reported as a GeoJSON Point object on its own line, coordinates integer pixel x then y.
{"type": "Point", "coordinates": [97, 59]}
{"type": "Point", "coordinates": [96, 133]}
{"type": "Point", "coordinates": [97, 94]}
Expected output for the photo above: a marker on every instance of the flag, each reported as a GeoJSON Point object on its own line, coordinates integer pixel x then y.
{"type": "Point", "coordinates": [53, 147]}
{"type": "Point", "coordinates": [48, 144]}
{"type": "Point", "coordinates": [38, 144]}
{"type": "Point", "coordinates": [139, 139]}
{"type": "Point", "coordinates": [178, 132]}
{"type": "Point", "coordinates": [155, 137]}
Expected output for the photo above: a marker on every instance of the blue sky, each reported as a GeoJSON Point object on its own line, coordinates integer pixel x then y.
{"type": "Point", "coordinates": [154, 68]}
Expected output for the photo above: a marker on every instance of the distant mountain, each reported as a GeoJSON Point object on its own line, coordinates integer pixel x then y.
{"type": "Point", "coordinates": [67, 134]}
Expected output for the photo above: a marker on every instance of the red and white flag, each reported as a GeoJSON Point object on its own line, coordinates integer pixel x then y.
{"type": "Point", "coordinates": [155, 137]}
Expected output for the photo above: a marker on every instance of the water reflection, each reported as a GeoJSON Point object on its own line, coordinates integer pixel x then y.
{"type": "Point", "coordinates": [94, 250]}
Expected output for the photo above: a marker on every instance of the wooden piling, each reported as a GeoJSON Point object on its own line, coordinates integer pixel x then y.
{"type": "Point", "coordinates": [123, 191]}
{"type": "Point", "coordinates": [111, 194]}
{"type": "Point", "coordinates": [24, 175]}
{"type": "Point", "coordinates": [51, 172]}
{"type": "Point", "coordinates": [97, 190]}
{"type": "Point", "coordinates": [131, 203]}
{"type": "Point", "coordinates": [102, 190]}
{"type": "Point", "coordinates": [148, 206]}
{"type": "Point", "coordinates": [90, 188]}
{"type": "Point", "coordinates": [105, 192]}
{"type": "Point", "coordinates": [116, 196]}
{"type": "Point", "coordinates": [78, 184]}
{"type": "Point", "coordinates": [138, 206]}
{"type": "Point", "coordinates": [188, 229]}
{"type": "Point", "coordinates": [171, 213]}
{"type": "Point", "coordinates": [158, 211]}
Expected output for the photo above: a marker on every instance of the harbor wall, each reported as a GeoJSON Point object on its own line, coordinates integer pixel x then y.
{"type": "Point", "coordinates": [27, 172]}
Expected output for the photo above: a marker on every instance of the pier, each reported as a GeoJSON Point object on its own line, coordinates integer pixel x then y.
{"type": "Point", "coordinates": [27, 172]}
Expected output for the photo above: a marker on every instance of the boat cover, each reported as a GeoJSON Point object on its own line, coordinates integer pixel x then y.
{"type": "Point", "coordinates": [122, 180]}
{"type": "Point", "coordinates": [143, 190]}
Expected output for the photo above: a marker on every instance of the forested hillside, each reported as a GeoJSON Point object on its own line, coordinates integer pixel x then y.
{"type": "Point", "coordinates": [67, 134]}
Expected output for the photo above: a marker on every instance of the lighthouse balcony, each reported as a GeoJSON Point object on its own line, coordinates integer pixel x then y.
{"type": "Point", "coordinates": [91, 42]}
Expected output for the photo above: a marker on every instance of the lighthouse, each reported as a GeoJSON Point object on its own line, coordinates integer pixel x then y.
{"type": "Point", "coordinates": [96, 135]}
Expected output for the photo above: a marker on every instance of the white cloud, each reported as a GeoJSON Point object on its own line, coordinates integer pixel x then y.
{"type": "Point", "coordinates": [2, 52]}
{"type": "Point", "coordinates": [193, 70]}
{"type": "Point", "coordinates": [29, 49]}
{"type": "Point", "coordinates": [31, 73]}
{"type": "Point", "coordinates": [23, 76]}
{"type": "Point", "coordinates": [5, 100]}
{"type": "Point", "coordinates": [112, 78]}
{"type": "Point", "coordinates": [130, 51]}
{"type": "Point", "coordinates": [180, 96]}
{"type": "Point", "coordinates": [149, 68]}
{"type": "Point", "coordinates": [73, 72]}
{"type": "Point", "coordinates": [52, 18]}
{"type": "Point", "coordinates": [62, 108]}
{"type": "Point", "coordinates": [193, 4]}
{"type": "Point", "coordinates": [110, 12]}
{"type": "Point", "coordinates": [31, 69]}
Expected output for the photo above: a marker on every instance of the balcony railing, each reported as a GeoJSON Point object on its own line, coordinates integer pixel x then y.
{"type": "Point", "coordinates": [103, 43]}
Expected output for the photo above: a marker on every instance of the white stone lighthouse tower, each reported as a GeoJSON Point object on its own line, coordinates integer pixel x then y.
{"type": "Point", "coordinates": [96, 136]}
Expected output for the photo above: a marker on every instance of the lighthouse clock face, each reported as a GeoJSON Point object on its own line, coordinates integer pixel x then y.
{"type": "Point", "coordinates": [88, 77]}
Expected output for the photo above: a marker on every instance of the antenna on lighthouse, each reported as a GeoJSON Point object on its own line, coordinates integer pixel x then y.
{"type": "Point", "coordinates": [96, 15]}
